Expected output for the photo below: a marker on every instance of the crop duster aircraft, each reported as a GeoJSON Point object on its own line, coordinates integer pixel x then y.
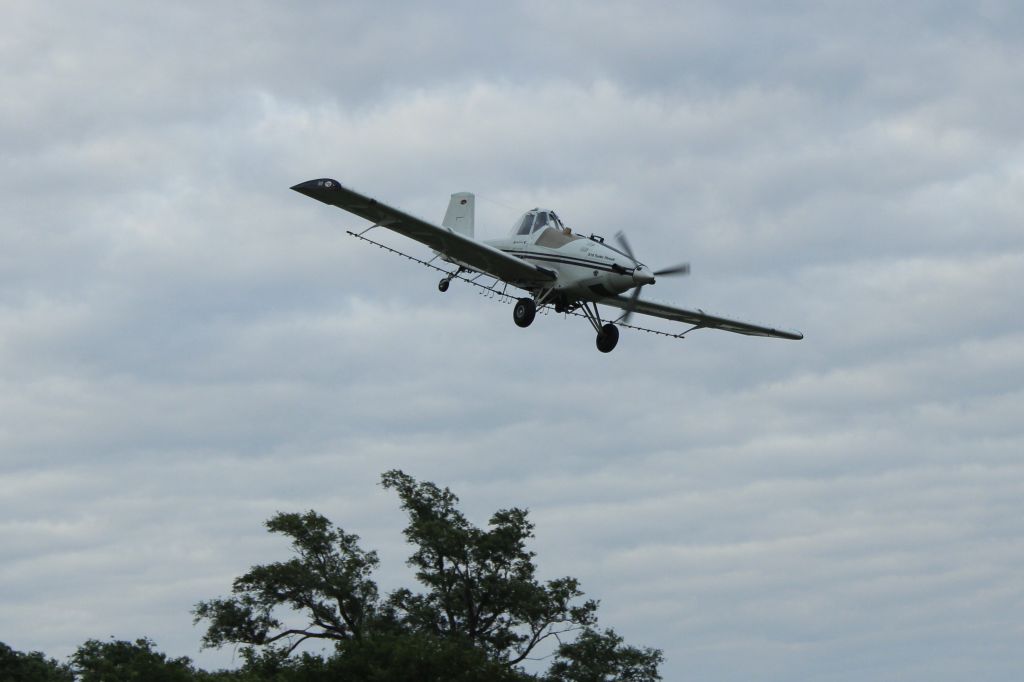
{"type": "Point", "coordinates": [541, 256]}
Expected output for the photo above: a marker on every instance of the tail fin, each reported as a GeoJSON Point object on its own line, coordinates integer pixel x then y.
{"type": "Point", "coordinates": [459, 216]}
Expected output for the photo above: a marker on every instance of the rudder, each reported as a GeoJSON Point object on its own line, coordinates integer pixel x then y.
{"type": "Point", "coordinates": [460, 214]}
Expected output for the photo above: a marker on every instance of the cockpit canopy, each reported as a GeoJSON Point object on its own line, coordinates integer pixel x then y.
{"type": "Point", "coordinates": [536, 220]}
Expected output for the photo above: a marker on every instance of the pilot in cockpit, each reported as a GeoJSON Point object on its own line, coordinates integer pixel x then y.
{"type": "Point", "coordinates": [558, 225]}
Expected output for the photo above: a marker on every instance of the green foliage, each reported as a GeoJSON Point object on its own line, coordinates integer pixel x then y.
{"type": "Point", "coordinates": [328, 580]}
{"type": "Point", "coordinates": [274, 664]}
{"type": "Point", "coordinates": [16, 666]}
{"type": "Point", "coordinates": [481, 584]}
{"type": "Point", "coordinates": [417, 656]}
{"type": "Point", "coordinates": [601, 657]}
{"type": "Point", "coordinates": [480, 614]}
{"type": "Point", "coordinates": [401, 657]}
{"type": "Point", "coordinates": [121, 661]}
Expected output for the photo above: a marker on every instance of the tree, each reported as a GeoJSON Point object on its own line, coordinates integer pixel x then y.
{"type": "Point", "coordinates": [328, 580]}
{"type": "Point", "coordinates": [481, 614]}
{"type": "Point", "coordinates": [16, 666]}
{"type": "Point", "coordinates": [601, 657]}
{"type": "Point", "coordinates": [481, 584]}
{"type": "Point", "coordinates": [119, 660]}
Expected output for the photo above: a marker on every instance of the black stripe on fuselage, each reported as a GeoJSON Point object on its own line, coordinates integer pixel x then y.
{"type": "Point", "coordinates": [565, 260]}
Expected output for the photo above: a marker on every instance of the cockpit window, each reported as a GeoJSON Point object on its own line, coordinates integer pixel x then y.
{"type": "Point", "coordinates": [535, 221]}
{"type": "Point", "coordinates": [525, 224]}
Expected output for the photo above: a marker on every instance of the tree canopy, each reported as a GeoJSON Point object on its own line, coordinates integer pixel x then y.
{"type": "Point", "coordinates": [117, 660]}
{"type": "Point", "coordinates": [480, 611]}
{"type": "Point", "coordinates": [16, 666]}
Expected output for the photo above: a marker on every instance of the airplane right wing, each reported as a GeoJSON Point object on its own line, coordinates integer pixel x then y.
{"type": "Point", "coordinates": [450, 244]}
{"type": "Point", "coordinates": [699, 318]}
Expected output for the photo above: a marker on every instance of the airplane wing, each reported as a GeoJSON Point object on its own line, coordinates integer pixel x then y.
{"type": "Point", "coordinates": [452, 245]}
{"type": "Point", "coordinates": [699, 318]}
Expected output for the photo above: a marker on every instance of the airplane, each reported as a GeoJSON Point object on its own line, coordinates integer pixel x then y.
{"type": "Point", "coordinates": [557, 267]}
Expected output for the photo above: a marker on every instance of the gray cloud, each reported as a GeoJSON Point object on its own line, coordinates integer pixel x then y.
{"type": "Point", "coordinates": [186, 346]}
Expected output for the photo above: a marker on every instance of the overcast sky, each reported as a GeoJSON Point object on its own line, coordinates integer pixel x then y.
{"type": "Point", "coordinates": [187, 346]}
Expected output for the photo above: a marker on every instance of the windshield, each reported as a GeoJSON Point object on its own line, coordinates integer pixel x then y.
{"type": "Point", "coordinates": [525, 223]}
{"type": "Point", "coordinates": [535, 221]}
{"type": "Point", "coordinates": [542, 221]}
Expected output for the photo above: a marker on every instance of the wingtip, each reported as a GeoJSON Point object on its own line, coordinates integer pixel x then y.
{"type": "Point", "coordinates": [320, 184]}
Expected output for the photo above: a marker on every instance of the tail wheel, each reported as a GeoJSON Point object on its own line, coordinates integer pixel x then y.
{"type": "Point", "coordinates": [524, 312]}
{"type": "Point", "coordinates": [608, 338]}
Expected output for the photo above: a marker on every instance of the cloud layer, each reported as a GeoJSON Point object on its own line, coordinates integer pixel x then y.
{"type": "Point", "coordinates": [187, 347]}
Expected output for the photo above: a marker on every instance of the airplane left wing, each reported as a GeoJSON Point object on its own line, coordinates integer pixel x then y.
{"type": "Point", "coordinates": [452, 245]}
{"type": "Point", "coordinates": [699, 318]}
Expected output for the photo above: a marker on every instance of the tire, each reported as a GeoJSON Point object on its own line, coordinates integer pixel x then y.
{"type": "Point", "coordinates": [524, 312]}
{"type": "Point", "coordinates": [608, 338]}
{"type": "Point", "coordinates": [442, 286]}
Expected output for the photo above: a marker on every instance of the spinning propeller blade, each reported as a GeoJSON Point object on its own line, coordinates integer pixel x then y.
{"type": "Point", "coordinates": [632, 304]}
{"type": "Point", "coordinates": [680, 269]}
{"type": "Point", "coordinates": [620, 237]}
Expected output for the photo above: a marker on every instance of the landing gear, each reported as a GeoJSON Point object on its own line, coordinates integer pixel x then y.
{"type": "Point", "coordinates": [607, 333]}
{"type": "Point", "coordinates": [524, 312]}
{"type": "Point", "coordinates": [607, 338]}
{"type": "Point", "coordinates": [443, 285]}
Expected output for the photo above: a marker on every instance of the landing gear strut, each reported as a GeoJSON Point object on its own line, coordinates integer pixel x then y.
{"type": "Point", "coordinates": [607, 333]}
{"type": "Point", "coordinates": [442, 286]}
{"type": "Point", "coordinates": [607, 338]}
{"type": "Point", "coordinates": [524, 312]}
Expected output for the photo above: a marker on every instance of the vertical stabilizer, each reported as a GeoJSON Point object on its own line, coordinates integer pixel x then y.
{"type": "Point", "coordinates": [459, 216]}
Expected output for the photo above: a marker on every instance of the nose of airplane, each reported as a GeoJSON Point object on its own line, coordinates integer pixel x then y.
{"type": "Point", "coordinates": [642, 275]}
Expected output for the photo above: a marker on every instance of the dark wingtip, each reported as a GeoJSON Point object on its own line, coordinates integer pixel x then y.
{"type": "Point", "coordinates": [311, 187]}
{"type": "Point", "coordinates": [787, 334]}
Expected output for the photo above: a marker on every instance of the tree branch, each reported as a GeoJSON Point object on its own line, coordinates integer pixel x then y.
{"type": "Point", "coordinates": [306, 634]}
{"type": "Point", "coordinates": [537, 638]}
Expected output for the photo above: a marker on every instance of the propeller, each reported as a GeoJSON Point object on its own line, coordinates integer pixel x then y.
{"type": "Point", "coordinates": [620, 237]}
{"type": "Point", "coordinates": [680, 269]}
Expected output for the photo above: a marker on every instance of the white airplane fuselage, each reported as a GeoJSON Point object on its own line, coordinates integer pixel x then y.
{"type": "Point", "coordinates": [587, 268]}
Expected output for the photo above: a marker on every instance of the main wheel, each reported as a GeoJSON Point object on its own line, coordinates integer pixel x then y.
{"type": "Point", "coordinates": [608, 338]}
{"type": "Point", "coordinates": [442, 286]}
{"type": "Point", "coordinates": [524, 312]}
